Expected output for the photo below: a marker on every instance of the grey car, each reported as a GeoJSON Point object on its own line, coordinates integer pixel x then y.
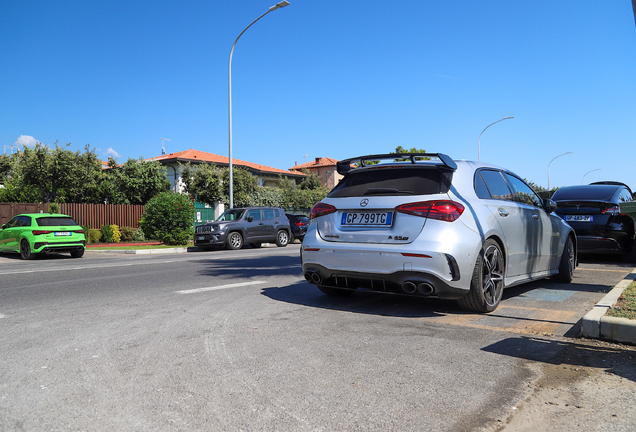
{"type": "Point", "coordinates": [424, 225]}
{"type": "Point", "coordinates": [249, 225]}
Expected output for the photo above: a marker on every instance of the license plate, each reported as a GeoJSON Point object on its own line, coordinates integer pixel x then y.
{"type": "Point", "coordinates": [578, 218]}
{"type": "Point", "coordinates": [63, 233]}
{"type": "Point", "coordinates": [377, 219]}
{"type": "Point", "coordinates": [201, 238]}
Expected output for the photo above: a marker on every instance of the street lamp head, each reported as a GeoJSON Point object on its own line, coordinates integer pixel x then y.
{"type": "Point", "coordinates": [279, 5]}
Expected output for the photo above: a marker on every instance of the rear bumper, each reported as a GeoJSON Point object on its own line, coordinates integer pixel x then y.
{"type": "Point", "coordinates": [412, 283]}
{"type": "Point", "coordinates": [589, 244]}
{"type": "Point", "coordinates": [46, 247]}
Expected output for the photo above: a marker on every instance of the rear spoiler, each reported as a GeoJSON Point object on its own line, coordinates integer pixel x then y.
{"type": "Point", "coordinates": [344, 166]}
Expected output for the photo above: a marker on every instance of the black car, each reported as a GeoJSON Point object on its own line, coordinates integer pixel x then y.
{"type": "Point", "coordinates": [298, 225]}
{"type": "Point", "coordinates": [594, 213]}
{"type": "Point", "coordinates": [252, 225]}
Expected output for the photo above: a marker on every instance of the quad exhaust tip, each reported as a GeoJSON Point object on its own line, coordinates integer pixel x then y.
{"type": "Point", "coordinates": [313, 277]}
{"type": "Point", "coordinates": [424, 288]}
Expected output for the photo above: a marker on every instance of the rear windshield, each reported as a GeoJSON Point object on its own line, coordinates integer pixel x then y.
{"type": "Point", "coordinates": [55, 221]}
{"type": "Point", "coordinates": [392, 182]}
{"type": "Point", "coordinates": [584, 193]}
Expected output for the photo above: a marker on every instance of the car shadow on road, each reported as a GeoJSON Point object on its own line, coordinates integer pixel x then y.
{"type": "Point", "coordinates": [363, 302]}
{"type": "Point", "coordinates": [615, 359]}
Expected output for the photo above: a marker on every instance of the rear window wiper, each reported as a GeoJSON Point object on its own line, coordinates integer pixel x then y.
{"type": "Point", "coordinates": [378, 191]}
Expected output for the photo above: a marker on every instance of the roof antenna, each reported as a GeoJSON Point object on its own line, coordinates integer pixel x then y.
{"type": "Point", "coordinates": [163, 150]}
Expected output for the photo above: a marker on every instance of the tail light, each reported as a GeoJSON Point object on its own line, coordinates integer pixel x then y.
{"type": "Point", "coordinates": [39, 232]}
{"type": "Point", "coordinates": [299, 224]}
{"type": "Point", "coordinates": [444, 210]}
{"type": "Point", "coordinates": [321, 209]}
{"type": "Point", "coordinates": [615, 210]}
{"type": "Point", "coordinates": [79, 231]}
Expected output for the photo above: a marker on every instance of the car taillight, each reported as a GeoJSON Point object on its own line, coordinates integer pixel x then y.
{"type": "Point", "coordinates": [299, 224]}
{"type": "Point", "coordinates": [321, 209]}
{"type": "Point", "coordinates": [443, 210]}
{"type": "Point", "coordinates": [38, 232]}
{"type": "Point", "coordinates": [616, 210]}
{"type": "Point", "coordinates": [79, 231]}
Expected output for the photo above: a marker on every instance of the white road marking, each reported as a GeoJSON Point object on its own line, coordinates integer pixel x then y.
{"type": "Point", "coordinates": [220, 287]}
{"type": "Point", "coordinates": [2, 316]}
{"type": "Point", "coordinates": [87, 267]}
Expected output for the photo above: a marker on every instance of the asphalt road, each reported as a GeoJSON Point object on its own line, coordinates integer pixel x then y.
{"type": "Point", "coordinates": [237, 340]}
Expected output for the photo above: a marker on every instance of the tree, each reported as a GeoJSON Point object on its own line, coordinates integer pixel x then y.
{"type": "Point", "coordinates": [245, 185]}
{"type": "Point", "coordinates": [311, 182]}
{"type": "Point", "coordinates": [204, 182]}
{"type": "Point", "coordinates": [399, 149]}
{"type": "Point", "coordinates": [73, 174]}
{"type": "Point", "coordinates": [134, 182]}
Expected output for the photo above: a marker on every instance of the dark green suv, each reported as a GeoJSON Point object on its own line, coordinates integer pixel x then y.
{"type": "Point", "coordinates": [34, 233]}
{"type": "Point", "coordinates": [251, 225]}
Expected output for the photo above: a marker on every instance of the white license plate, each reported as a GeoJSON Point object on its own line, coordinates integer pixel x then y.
{"type": "Point", "coordinates": [63, 233]}
{"type": "Point", "coordinates": [201, 238]}
{"type": "Point", "coordinates": [578, 218]}
{"type": "Point", "coordinates": [371, 219]}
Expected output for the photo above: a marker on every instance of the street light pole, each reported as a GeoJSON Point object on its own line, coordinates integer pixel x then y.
{"type": "Point", "coordinates": [482, 132]}
{"type": "Point", "coordinates": [597, 169]}
{"type": "Point", "coordinates": [549, 166]}
{"type": "Point", "coordinates": [273, 8]}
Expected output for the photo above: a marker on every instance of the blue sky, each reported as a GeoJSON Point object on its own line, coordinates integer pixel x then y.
{"type": "Point", "coordinates": [329, 79]}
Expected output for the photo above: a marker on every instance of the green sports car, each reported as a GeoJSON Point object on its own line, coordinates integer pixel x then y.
{"type": "Point", "coordinates": [31, 234]}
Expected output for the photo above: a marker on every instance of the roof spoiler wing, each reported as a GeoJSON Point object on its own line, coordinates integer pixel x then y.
{"type": "Point", "coordinates": [344, 166]}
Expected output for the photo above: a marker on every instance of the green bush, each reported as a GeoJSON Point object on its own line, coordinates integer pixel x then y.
{"type": "Point", "coordinates": [94, 235]}
{"type": "Point", "coordinates": [138, 235]}
{"type": "Point", "coordinates": [127, 233]}
{"type": "Point", "coordinates": [107, 234]}
{"type": "Point", "coordinates": [169, 217]}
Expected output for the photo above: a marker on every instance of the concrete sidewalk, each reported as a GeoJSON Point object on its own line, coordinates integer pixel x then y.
{"type": "Point", "coordinates": [598, 326]}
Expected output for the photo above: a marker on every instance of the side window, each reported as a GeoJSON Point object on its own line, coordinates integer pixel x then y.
{"type": "Point", "coordinates": [269, 214]}
{"type": "Point", "coordinates": [525, 194]}
{"type": "Point", "coordinates": [625, 196]}
{"type": "Point", "coordinates": [25, 221]}
{"type": "Point", "coordinates": [496, 185]}
{"type": "Point", "coordinates": [255, 214]}
{"type": "Point", "coordinates": [480, 187]}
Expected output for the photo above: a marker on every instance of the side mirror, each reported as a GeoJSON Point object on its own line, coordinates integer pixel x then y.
{"type": "Point", "coordinates": [549, 205]}
{"type": "Point", "coordinates": [250, 218]}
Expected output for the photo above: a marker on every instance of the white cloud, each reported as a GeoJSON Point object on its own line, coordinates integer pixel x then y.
{"type": "Point", "coordinates": [111, 152]}
{"type": "Point", "coordinates": [26, 140]}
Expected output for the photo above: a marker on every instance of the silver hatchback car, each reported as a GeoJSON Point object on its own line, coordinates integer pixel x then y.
{"type": "Point", "coordinates": [424, 225]}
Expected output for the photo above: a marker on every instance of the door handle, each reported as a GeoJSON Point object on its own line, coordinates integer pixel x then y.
{"type": "Point", "coordinates": [503, 213]}
{"type": "Point", "coordinates": [535, 216]}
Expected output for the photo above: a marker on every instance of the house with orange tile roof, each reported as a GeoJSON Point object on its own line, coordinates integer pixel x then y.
{"type": "Point", "coordinates": [322, 167]}
{"type": "Point", "coordinates": [267, 176]}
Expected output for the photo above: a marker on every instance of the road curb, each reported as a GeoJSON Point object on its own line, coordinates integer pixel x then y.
{"type": "Point", "coordinates": [598, 326]}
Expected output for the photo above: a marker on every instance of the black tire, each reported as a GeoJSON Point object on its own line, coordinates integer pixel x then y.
{"type": "Point", "coordinates": [255, 245]}
{"type": "Point", "coordinates": [335, 292]}
{"type": "Point", "coordinates": [630, 253]}
{"type": "Point", "coordinates": [25, 250]}
{"type": "Point", "coordinates": [487, 283]}
{"type": "Point", "coordinates": [234, 241]}
{"type": "Point", "coordinates": [282, 238]}
{"type": "Point", "coordinates": [77, 253]}
{"type": "Point", "coordinates": [567, 263]}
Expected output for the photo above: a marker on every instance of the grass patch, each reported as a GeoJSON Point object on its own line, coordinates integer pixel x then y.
{"type": "Point", "coordinates": [625, 307]}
